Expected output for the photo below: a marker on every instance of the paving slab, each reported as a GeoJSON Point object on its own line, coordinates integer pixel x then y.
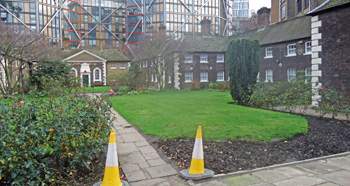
{"type": "Point", "coordinates": [126, 148]}
{"type": "Point", "coordinates": [271, 176]}
{"type": "Point", "coordinates": [319, 167]}
{"type": "Point", "coordinates": [161, 171]}
{"type": "Point", "coordinates": [151, 155]}
{"type": "Point", "coordinates": [211, 183]}
{"type": "Point", "coordinates": [262, 184]}
{"type": "Point", "coordinates": [156, 162]}
{"type": "Point", "coordinates": [329, 184]}
{"type": "Point", "coordinates": [132, 137]}
{"type": "Point", "coordinates": [338, 177]}
{"type": "Point", "coordinates": [134, 157]}
{"type": "Point", "coordinates": [290, 171]}
{"type": "Point", "coordinates": [151, 182]}
{"type": "Point", "coordinates": [341, 162]}
{"type": "Point", "coordinates": [127, 130]}
{"type": "Point", "coordinates": [243, 180]}
{"type": "Point", "coordinates": [144, 165]}
{"type": "Point", "coordinates": [130, 167]}
{"type": "Point", "coordinates": [135, 176]}
{"type": "Point", "coordinates": [141, 143]}
{"type": "Point", "coordinates": [300, 181]}
{"type": "Point", "coordinates": [147, 149]}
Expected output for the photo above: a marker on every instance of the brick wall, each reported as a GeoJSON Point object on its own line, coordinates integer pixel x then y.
{"type": "Point", "coordinates": [212, 67]}
{"type": "Point", "coordinates": [335, 44]}
{"type": "Point", "coordinates": [279, 63]}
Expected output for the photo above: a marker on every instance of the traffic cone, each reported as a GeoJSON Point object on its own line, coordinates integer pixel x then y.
{"type": "Point", "coordinates": [111, 176]}
{"type": "Point", "coordinates": [197, 170]}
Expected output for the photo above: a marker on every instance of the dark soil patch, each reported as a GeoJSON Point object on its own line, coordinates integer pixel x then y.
{"type": "Point", "coordinates": [325, 137]}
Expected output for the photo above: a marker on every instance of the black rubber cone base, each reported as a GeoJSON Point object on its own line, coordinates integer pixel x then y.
{"type": "Point", "coordinates": [207, 174]}
{"type": "Point", "coordinates": [123, 182]}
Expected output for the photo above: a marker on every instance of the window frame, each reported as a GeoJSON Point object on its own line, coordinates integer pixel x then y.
{"type": "Point", "coordinates": [75, 72]}
{"type": "Point", "coordinates": [222, 59]}
{"type": "Point", "coordinates": [122, 68]}
{"type": "Point", "coordinates": [191, 77]}
{"type": "Point", "coordinates": [267, 75]}
{"type": "Point", "coordinates": [268, 52]}
{"type": "Point", "coordinates": [306, 47]}
{"type": "Point", "coordinates": [206, 58]}
{"type": "Point", "coordinates": [201, 74]}
{"type": "Point", "coordinates": [188, 61]}
{"type": "Point", "coordinates": [223, 76]}
{"type": "Point", "coordinates": [112, 66]}
{"type": "Point", "coordinates": [289, 74]}
{"type": "Point", "coordinates": [99, 75]}
{"type": "Point", "coordinates": [289, 50]}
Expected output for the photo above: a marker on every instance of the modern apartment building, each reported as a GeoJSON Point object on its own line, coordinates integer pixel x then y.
{"type": "Point", "coordinates": [84, 22]}
{"type": "Point", "coordinates": [282, 10]}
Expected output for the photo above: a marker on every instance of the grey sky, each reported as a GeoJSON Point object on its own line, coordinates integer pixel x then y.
{"type": "Point", "coordinates": [257, 4]}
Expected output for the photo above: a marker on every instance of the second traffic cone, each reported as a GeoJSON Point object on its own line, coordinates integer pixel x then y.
{"type": "Point", "coordinates": [111, 176]}
{"type": "Point", "coordinates": [197, 162]}
{"type": "Point", "coordinates": [197, 170]}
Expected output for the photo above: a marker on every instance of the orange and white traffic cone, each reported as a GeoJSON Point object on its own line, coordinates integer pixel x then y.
{"type": "Point", "coordinates": [111, 176]}
{"type": "Point", "coordinates": [197, 170]}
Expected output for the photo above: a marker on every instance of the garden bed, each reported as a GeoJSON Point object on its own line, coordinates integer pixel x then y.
{"type": "Point", "coordinates": [325, 137]}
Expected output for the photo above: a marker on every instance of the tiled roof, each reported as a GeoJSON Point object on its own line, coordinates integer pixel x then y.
{"type": "Point", "coordinates": [108, 54]}
{"type": "Point", "coordinates": [280, 32]}
{"type": "Point", "coordinates": [329, 4]}
{"type": "Point", "coordinates": [200, 43]}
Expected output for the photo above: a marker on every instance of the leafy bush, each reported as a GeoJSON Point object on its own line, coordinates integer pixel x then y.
{"type": "Point", "coordinates": [332, 102]}
{"type": "Point", "coordinates": [195, 85]}
{"type": "Point", "coordinates": [133, 77]}
{"type": "Point", "coordinates": [243, 59]}
{"type": "Point", "coordinates": [51, 141]}
{"type": "Point", "coordinates": [222, 86]}
{"type": "Point", "coordinates": [47, 70]}
{"type": "Point", "coordinates": [294, 94]}
{"type": "Point", "coordinates": [116, 79]}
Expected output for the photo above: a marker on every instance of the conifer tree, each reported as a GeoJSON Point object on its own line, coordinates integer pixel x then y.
{"type": "Point", "coordinates": [243, 58]}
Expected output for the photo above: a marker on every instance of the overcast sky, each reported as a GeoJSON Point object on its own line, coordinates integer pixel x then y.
{"type": "Point", "coordinates": [257, 4]}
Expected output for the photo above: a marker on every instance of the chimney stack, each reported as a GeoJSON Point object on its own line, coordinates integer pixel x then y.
{"type": "Point", "coordinates": [162, 29]}
{"type": "Point", "coordinates": [66, 42]}
{"type": "Point", "coordinates": [205, 26]}
{"type": "Point", "coordinates": [263, 17]}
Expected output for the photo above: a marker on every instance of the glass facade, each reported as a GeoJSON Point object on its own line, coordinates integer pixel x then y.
{"type": "Point", "coordinates": [179, 17]}
{"type": "Point", "coordinates": [84, 22]}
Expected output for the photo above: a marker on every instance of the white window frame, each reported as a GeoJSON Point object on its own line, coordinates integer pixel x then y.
{"type": "Point", "coordinates": [290, 75]}
{"type": "Point", "coordinates": [268, 75]}
{"type": "Point", "coordinates": [122, 67]}
{"type": "Point", "coordinates": [268, 52]}
{"type": "Point", "coordinates": [308, 45]}
{"type": "Point", "coordinates": [169, 79]}
{"type": "Point", "coordinates": [283, 12]}
{"type": "Point", "coordinates": [97, 80]}
{"type": "Point", "coordinates": [75, 72]}
{"type": "Point", "coordinates": [220, 59]}
{"type": "Point", "coordinates": [152, 78]}
{"type": "Point", "coordinates": [188, 77]}
{"type": "Point", "coordinates": [306, 74]}
{"type": "Point", "coordinates": [223, 76]}
{"type": "Point", "coordinates": [188, 58]}
{"type": "Point", "coordinates": [290, 49]}
{"type": "Point", "coordinates": [204, 76]}
{"type": "Point", "coordinates": [113, 65]}
{"type": "Point", "coordinates": [203, 58]}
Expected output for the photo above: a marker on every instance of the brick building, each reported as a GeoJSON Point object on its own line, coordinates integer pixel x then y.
{"type": "Point", "coordinates": [93, 66]}
{"type": "Point", "coordinates": [330, 46]}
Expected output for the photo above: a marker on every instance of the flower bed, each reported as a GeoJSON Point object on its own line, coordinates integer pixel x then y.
{"type": "Point", "coordinates": [52, 141]}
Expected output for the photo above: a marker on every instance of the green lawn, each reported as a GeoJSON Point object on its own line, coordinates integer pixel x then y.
{"type": "Point", "coordinates": [97, 89]}
{"type": "Point", "coordinates": [177, 114]}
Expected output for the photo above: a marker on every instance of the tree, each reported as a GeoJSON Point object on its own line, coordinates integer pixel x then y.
{"type": "Point", "coordinates": [159, 53]}
{"type": "Point", "coordinates": [18, 48]}
{"type": "Point", "coordinates": [243, 58]}
{"type": "Point", "coordinates": [133, 77]}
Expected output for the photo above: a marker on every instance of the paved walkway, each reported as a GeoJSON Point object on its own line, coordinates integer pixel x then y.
{"type": "Point", "coordinates": [143, 166]}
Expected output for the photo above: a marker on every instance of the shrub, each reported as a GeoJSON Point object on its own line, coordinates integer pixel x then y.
{"type": "Point", "coordinates": [294, 94]}
{"type": "Point", "coordinates": [47, 70]}
{"type": "Point", "coordinates": [195, 85]}
{"type": "Point", "coordinates": [116, 79]}
{"type": "Point", "coordinates": [51, 141]}
{"type": "Point", "coordinates": [133, 77]}
{"type": "Point", "coordinates": [332, 102]}
{"type": "Point", "coordinates": [243, 59]}
{"type": "Point", "coordinates": [222, 86]}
